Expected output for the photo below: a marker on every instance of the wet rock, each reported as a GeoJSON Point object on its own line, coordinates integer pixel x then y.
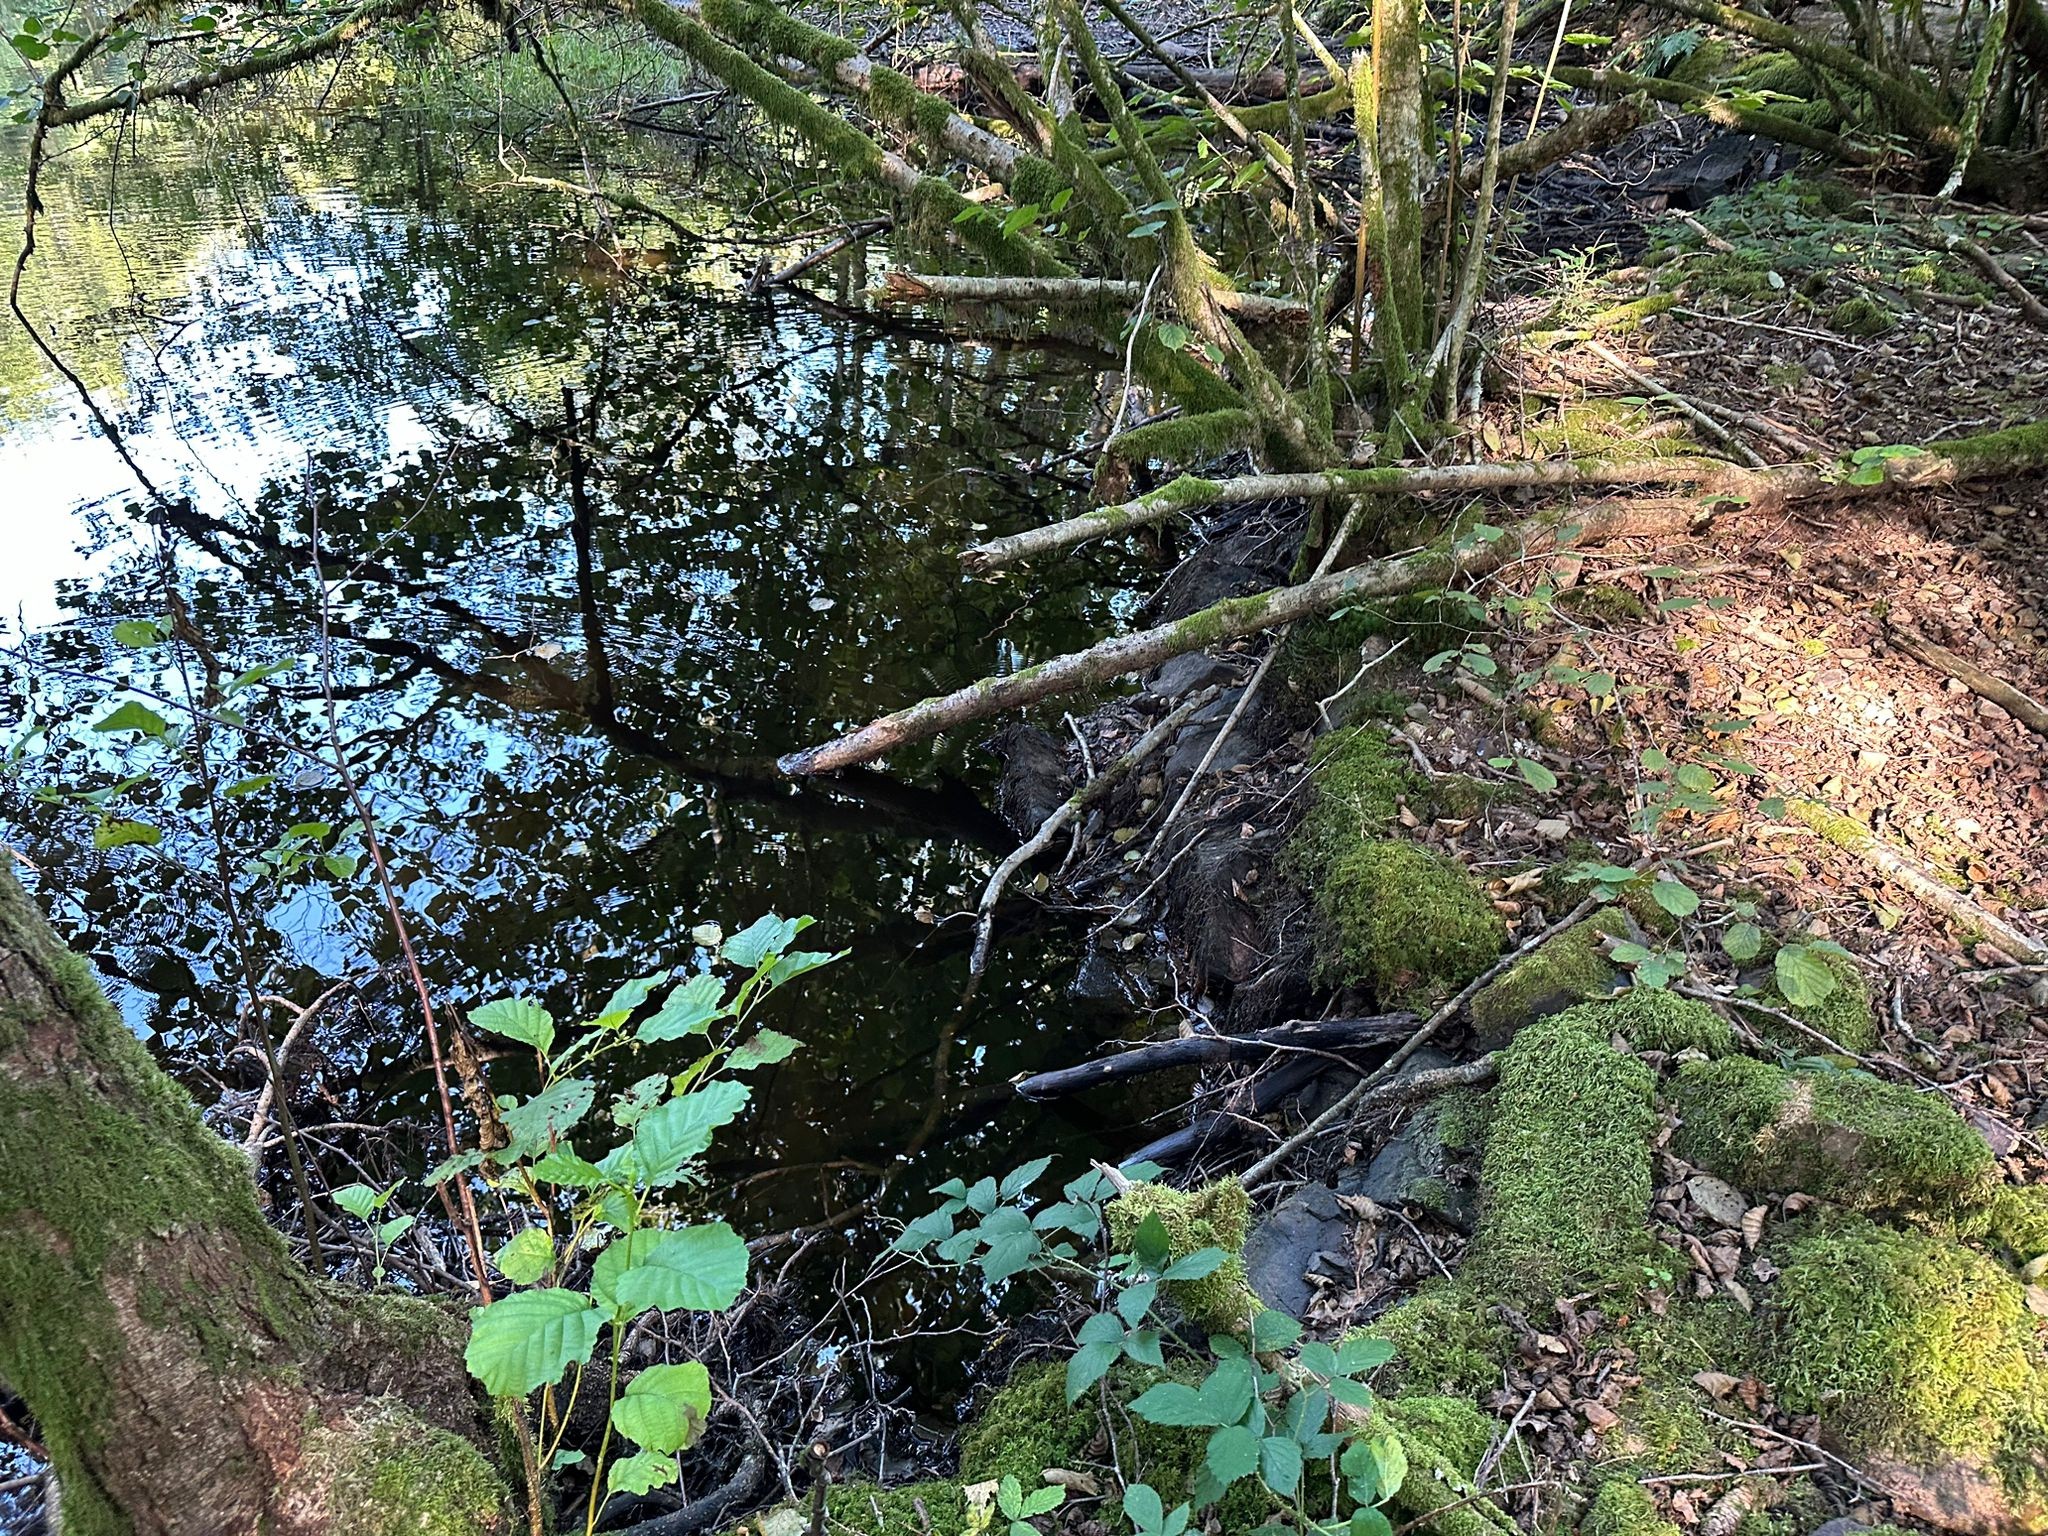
{"type": "Point", "coordinates": [1192, 745]}
{"type": "Point", "coordinates": [1305, 1233]}
{"type": "Point", "coordinates": [1184, 674]}
{"type": "Point", "coordinates": [1724, 163]}
{"type": "Point", "coordinates": [1035, 781]}
{"type": "Point", "coordinates": [1099, 982]}
{"type": "Point", "coordinates": [1415, 1167]}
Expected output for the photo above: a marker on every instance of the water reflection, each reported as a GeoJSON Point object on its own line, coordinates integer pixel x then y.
{"type": "Point", "coordinates": [565, 721]}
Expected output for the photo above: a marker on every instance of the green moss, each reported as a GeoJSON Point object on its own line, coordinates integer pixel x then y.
{"type": "Point", "coordinates": [1845, 1015]}
{"type": "Point", "coordinates": [1612, 430]}
{"type": "Point", "coordinates": [1862, 316]}
{"type": "Point", "coordinates": [1653, 1019]}
{"type": "Point", "coordinates": [1845, 1136]}
{"type": "Point", "coordinates": [1406, 921]}
{"type": "Point", "coordinates": [395, 1476]}
{"type": "Point", "coordinates": [1609, 604]}
{"type": "Point", "coordinates": [1565, 1184]}
{"type": "Point", "coordinates": [1907, 1344]}
{"type": "Point", "coordinates": [1664, 1429]}
{"type": "Point", "coordinates": [1188, 439]}
{"type": "Point", "coordinates": [2014, 1217]}
{"type": "Point", "coordinates": [104, 1169]}
{"type": "Point", "coordinates": [1216, 1215]}
{"type": "Point", "coordinates": [909, 1509]}
{"type": "Point", "coordinates": [1621, 1508]}
{"type": "Point", "coordinates": [1361, 780]}
{"type": "Point", "coordinates": [1445, 1339]}
{"type": "Point", "coordinates": [1444, 1438]}
{"type": "Point", "coordinates": [1459, 794]}
{"type": "Point", "coordinates": [1562, 971]}
{"type": "Point", "coordinates": [1026, 1427]}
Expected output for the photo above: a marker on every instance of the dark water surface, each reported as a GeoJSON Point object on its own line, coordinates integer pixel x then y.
{"type": "Point", "coordinates": [567, 726]}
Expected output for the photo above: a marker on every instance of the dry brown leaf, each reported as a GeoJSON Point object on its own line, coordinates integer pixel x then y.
{"type": "Point", "coordinates": [1716, 1384]}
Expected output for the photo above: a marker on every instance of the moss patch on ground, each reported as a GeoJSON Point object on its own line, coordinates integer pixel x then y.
{"type": "Point", "coordinates": [909, 1509]}
{"type": "Point", "coordinates": [1909, 1344]}
{"type": "Point", "coordinates": [1445, 1339]}
{"type": "Point", "coordinates": [1565, 1183]}
{"type": "Point", "coordinates": [1405, 921]}
{"type": "Point", "coordinates": [1846, 1136]}
{"type": "Point", "coordinates": [1621, 1508]}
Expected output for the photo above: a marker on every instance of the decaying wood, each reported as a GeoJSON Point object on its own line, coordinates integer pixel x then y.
{"type": "Point", "coordinates": [1984, 684]}
{"type": "Point", "coordinates": [900, 287]}
{"type": "Point", "coordinates": [851, 236]}
{"type": "Point", "coordinates": [1320, 1035]}
{"type": "Point", "coordinates": [1853, 837]}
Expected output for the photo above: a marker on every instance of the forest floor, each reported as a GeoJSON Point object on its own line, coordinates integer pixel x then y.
{"type": "Point", "coordinates": [1766, 654]}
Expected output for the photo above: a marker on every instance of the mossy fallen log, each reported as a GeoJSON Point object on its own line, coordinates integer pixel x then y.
{"type": "Point", "coordinates": [1229, 620]}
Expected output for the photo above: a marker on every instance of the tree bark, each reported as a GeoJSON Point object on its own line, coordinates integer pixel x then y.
{"type": "Point", "coordinates": [186, 1375]}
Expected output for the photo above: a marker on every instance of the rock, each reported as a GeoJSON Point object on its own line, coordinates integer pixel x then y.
{"type": "Point", "coordinates": [1099, 981]}
{"type": "Point", "coordinates": [1415, 1167]}
{"type": "Point", "coordinates": [1842, 1525]}
{"type": "Point", "coordinates": [1306, 1231]}
{"type": "Point", "coordinates": [1958, 1494]}
{"type": "Point", "coordinates": [1184, 674]}
{"type": "Point", "coordinates": [1035, 781]}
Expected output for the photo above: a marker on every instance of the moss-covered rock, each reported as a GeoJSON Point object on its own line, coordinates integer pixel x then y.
{"type": "Point", "coordinates": [1026, 1427]}
{"type": "Point", "coordinates": [1446, 1339]}
{"type": "Point", "coordinates": [1846, 1136]}
{"type": "Point", "coordinates": [2013, 1217]}
{"type": "Point", "coordinates": [1621, 1508]}
{"type": "Point", "coordinates": [1360, 782]}
{"type": "Point", "coordinates": [1217, 1215]}
{"type": "Point", "coordinates": [1565, 1184]}
{"type": "Point", "coordinates": [1405, 921]}
{"type": "Point", "coordinates": [1915, 1350]}
{"type": "Point", "coordinates": [1565, 970]}
{"type": "Point", "coordinates": [1653, 1019]}
{"type": "Point", "coordinates": [1444, 1438]}
{"type": "Point", "coordinates": [388, 1474]}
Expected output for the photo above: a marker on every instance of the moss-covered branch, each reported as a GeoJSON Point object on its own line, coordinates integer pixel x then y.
{"type": "Point", "coordinates": [1228, 620]}
{"type": "Point", "coordinates": [1719, 109]}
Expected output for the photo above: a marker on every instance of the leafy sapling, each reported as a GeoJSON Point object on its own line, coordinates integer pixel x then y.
{"type": "Point", "coordinates": [618, 1205]}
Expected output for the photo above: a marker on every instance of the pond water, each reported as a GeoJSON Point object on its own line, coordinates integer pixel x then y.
{"type": "Point", "coordinates": [566, 724]}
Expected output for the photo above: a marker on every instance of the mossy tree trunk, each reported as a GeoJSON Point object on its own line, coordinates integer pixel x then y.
{"type": "Point", "coordinates": [186, 1374]}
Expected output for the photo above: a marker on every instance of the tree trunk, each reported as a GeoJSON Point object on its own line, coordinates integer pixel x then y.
{"type": "Point", "coordinates": [185, 1373]}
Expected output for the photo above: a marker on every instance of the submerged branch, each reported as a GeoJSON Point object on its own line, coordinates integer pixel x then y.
{"type": "Point", "coordinates": [933, 288]}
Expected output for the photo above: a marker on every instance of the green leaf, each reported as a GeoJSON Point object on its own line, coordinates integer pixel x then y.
{"type": "Point", "coordinates": [1743, 941]}
{"type": "Point", "coordinates": [664, 1407]}
{"type": "Point", "coordinates": [1151, 1245]}
{"type": "Point", "coordinates": [1370, 1522]}
{"type": "Point", "coordinates": [1143, 1507]}
{"type": "Point", "coordinates": [642, 1472]}
{"type": "Point", "coordinates": [1089, 1364]}
{"type": "Point", "coordinates": [140, 634]}
{"type": "Point", "coordinates": [700, 1268]}
{"type": "Point", "coordinates": [800, 962]}
{"type": "Point", "coordinates": [527, 1340]}
{"type": "Point", "coordinates": [359, 1200]}
{"type": "Point", "coordinates": [1044, 1500]}
{"type": "Point", "coordinates": [1017, 1180]}
{"type": "Point", "coordinates": [1537, 776]}
{"type": "Point", "coordinates": [517, 1018]}
{"type": "Point", "coordinates": [1274, 1329]}
{"type": "Point", "coordinates": [1675, 897]}
{"type": "Point", "coordinates": [1198, 1265]}
{"type": "Point", "coordinates": [765, 936]}
{"type": "Point", "coordinates": [764, 1050]}
{"type": "Point", "coordinates": [1174, 336]}
{"type": "Point", "coordinates": [689, 1009]}
{"type": "Point", "coordinates": [242, 787]}
{"type": "Point", "coordinates": [633, 993]}
{"type": "Point", "coordinates": [1363, 1354]}
{"type": "Point", "coordinates": [1280, 1464]}
{"type": "Point", "coordinates": [631, 1107]}
{"type": "Point", "coordinates": [1772, 807]}
{"type": "Point", "coordinates": [1173, 1404]}
{"type": "Point", "coordinates": [667, 1137]}
{"type": "Point", "coordinates": [1134, 1301]}
{"type": "Point", "coordinates": [550, 1113]}
{"type": "Point", "coordinates": [389, 1232]}
{"type": "Point", "coordinates": [1228, 1392]}
{"type": "Point", "coordinates": [527, 1257]}
{"type": "Point", "coordinates": [1233, 1453]}
{"type": "Point", "coordinates": [134, 716]}
{"type": "Point", "coordinates": [563, 1167]}
{"type": "Point", "coordinates": [1390, 1459]}
{"type": "Point", "coordinates": [924, 1231]}
{"type": "Point", "coordinates": [1010, 1497]}
{"type": "Point", "coordinates": [112, 832]}
{"type": "Point", "coordinates": [1803, 976]}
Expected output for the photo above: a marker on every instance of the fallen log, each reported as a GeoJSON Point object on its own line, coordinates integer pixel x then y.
{"type": "Point", "coordinates": [1162, 1056]}
{"type": "Point", "coordinates": [1215, 1129]}
{"type": "Point", "coordinates": [1984, 684]}
{"type": "Point", "coordinates": [932, 288]}
{"type": "Point", "coordinates": [1188, 492]}
{"type": "Point", "coordinates": [2015, 450]}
